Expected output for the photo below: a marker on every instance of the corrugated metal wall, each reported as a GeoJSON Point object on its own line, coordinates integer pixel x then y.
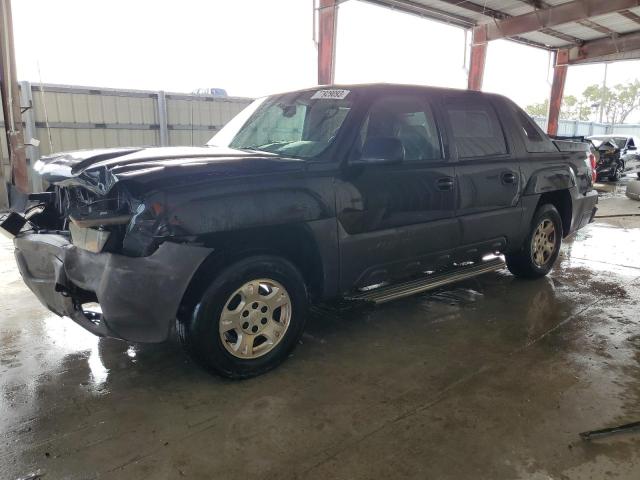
{"type": "Point", "coordinates": [577, 128]}
{"type": "Point", "coordinates": [80, 117]}
{"type": "Point", "coordinates": [66, 117]}
{"type": "Point", "coordinates": [205, 114]}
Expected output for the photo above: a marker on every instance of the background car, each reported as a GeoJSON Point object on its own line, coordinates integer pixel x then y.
{"type": "Point", "coordinates": [617, 155]}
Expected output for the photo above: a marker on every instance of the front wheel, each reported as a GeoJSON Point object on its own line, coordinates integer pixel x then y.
{"type": "Point", "coordinates": [618, 172]}
{"type": "Point", "coordinates": [541, 247]}
{"type": "Point", "coordinates": [249, 319]}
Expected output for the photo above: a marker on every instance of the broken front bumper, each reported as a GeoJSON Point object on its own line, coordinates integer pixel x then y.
{"type": "Point", "coordinates": [139, 296]}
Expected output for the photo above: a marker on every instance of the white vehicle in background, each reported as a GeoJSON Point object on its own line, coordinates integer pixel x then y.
{"type": "Point", "coordinates": [627, 152]}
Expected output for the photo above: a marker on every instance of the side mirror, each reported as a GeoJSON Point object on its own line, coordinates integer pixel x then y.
{"type": "Point", "coordinates": [632, 148]}
{"type": "Point", "coordinates": [381, 151]}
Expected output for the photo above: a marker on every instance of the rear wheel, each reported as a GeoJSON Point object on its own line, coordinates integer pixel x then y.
{"type": "Point", "coordinates": [541, 247]}
{"type": "Point", "coordinates": [249, 319]}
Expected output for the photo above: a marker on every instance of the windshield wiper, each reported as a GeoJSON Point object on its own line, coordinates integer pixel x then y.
{"type": "Point", "coordinates": [264, 146]}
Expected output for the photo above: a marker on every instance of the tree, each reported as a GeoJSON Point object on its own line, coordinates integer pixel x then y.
{"type": "Point", "coordinates": [538, 109]}
{"type": "Point", "coordinates": [574, 109]}
{"type": "Point", "coordinates": [571, 109]}
{"type": "Point", "coordinates": [617, 102]}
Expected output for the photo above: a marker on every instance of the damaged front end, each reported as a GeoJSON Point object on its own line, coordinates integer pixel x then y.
{"type": "Point", "coordinates": [94, 239]}
{"type": "Point", "coordinates": [609, 159]}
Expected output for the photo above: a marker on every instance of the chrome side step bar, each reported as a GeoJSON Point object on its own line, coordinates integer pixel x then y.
{"type": "Point", "coordinates": [430, 282]}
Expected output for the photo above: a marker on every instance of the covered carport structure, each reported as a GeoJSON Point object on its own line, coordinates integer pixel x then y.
{"type": "Point", "coordinates": [577, 31]}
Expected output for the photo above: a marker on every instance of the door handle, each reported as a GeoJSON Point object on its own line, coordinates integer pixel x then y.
{"type": "Point", "coordinates": [508, 177]}
{"type": "Point", "coordinates": [445, 183]}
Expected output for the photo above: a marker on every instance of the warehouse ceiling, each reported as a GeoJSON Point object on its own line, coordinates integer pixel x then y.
{"type": "Point", "coordinates": [588, 30]}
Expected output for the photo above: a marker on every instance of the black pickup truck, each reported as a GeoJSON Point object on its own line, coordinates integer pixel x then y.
{"type": "Point", "coordinates": [364, 192]}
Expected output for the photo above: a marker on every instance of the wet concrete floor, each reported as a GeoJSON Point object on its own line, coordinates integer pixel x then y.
{"type": "Point", "coordinates": [491, 379]}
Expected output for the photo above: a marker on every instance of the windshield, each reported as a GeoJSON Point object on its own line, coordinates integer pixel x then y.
{"type": "Point", "coordinates": [299, 124]}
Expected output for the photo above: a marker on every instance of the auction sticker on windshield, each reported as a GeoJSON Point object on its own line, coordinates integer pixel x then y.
{"type": "Point", "coordinates": [334, 94]}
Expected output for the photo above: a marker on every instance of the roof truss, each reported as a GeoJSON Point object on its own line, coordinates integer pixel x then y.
{"type": "Point", "coordinates": [551, 16]}
{"type": "Point", "coordinates": [543, 19]}
{"type": "Point", "coordinates": [599, 50]}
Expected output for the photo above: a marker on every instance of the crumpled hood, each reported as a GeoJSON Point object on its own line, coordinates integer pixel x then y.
{"type": "Point", "coordinates": [98, 170]}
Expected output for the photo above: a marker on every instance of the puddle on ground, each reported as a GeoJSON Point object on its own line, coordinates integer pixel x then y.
{"type": "Point", "coordinates": [604, 248]}
{"type": "Point", "coordinates": [613, 189]}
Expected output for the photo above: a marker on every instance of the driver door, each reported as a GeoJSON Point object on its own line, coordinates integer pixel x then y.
{"type": "Point", "coordinates": [396, 219]}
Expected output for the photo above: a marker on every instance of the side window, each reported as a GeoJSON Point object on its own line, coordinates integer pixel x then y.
{"type": "Point", "coordinates": [410, 120]}
{"type": "Point", "coordinates": [475, 127]}
{"type": "Point", "coordinates": [535, 140]}
{"type": "Point", "coordinates": [528, 128]}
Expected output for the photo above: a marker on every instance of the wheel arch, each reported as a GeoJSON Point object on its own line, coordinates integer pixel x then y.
{"type": "Point", "coordinates": [295, 243]}
{"type": "Point", "coordinates": [561, 200]}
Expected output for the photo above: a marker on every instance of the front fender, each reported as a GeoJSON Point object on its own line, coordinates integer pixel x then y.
{"type": "Point", "coordinates": [243, 210]}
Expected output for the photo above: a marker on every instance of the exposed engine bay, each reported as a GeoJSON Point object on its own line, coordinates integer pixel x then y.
{"type": "Point", "coordinates": [92, 222]}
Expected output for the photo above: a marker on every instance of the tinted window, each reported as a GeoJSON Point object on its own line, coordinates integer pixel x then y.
{"type": "Point", "coordinates": [535, 141]}
{"type": "Point", "coordinates": [476, 129]}
{"type": "Point", "coordinates": [410, 120]}
{"type": "Point", "coordinates": [528, 128]}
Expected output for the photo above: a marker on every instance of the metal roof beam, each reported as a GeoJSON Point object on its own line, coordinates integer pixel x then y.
{"type": "Point", "coordinates": [598, 50]}
{"type": "Point", "coordinates": [505, 17]}
{"type": "Point", "coordinates": [597, 27]}
{"type": "Point", "coordinates": [476, 8]}
{"type": "Point", "coordinates": [545, 18]}
{"type": "Point", "coordinates": [407, 6]}
{"type": "Point", "coordinates": [413, 8]}
{"type": "Point", "coordinates": [630, 15]}
{"type": "Point", "coordinates": [541, 4]}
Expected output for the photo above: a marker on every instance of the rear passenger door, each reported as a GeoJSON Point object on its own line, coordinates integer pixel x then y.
{"type": "Point", "coordinates": [486, 170]}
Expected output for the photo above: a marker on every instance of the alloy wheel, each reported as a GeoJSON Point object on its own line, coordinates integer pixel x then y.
{"type": "Point", "coordinates": [255, 318]}
{"type": "Point", "coordinates": [544, 243]}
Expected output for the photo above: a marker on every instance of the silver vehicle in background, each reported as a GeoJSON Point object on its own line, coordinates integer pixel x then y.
{"type": "Point", "coordinates": [624, 148]}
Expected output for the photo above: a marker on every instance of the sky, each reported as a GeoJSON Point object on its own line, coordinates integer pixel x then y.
{"type": "Point", "coordinates": [256, 47]}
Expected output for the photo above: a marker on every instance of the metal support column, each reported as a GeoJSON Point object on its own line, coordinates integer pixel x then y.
{"type": "Point", "coordinates": [557, 91]}
{"type": "Point", "coordinates": [4, 194]}
{"type": "Point", "coordinates": [31, 135]}
{"type": "Point", "coordinates": [478, 58]}
{"type": "Point", "coordinates": [162, 119]}
{"type": "Point", "coordinates": [11, 101]}
{"type": "Point", "coordinates": [327, 29]}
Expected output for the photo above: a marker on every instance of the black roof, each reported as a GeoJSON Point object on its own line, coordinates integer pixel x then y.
{"type": "Point", "coordinates": [395, 87]}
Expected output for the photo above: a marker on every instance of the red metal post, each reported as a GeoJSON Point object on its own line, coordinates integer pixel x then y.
{"type": "Point", "coordinates": [11, 101]}
{"type": "Point", "coordinates": [557, 90]}
{"type": "Point", "coordinates": [478, 57]}
{"type": "Point", "coordinates": [327, 22]}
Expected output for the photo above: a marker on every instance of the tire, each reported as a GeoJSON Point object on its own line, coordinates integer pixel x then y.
{"type": "Point", "coordinates": [256, 334]}
{"type": "Point", "coordinates": [524, 263]}
{"type": "Point", "coordinates": [617, 175]}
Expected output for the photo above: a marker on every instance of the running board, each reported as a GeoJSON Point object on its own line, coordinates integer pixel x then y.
{"type": "Point", "coordinates": [431, 282]}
